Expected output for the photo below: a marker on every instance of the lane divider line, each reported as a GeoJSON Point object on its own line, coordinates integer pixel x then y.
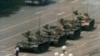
{"type": "Point", "coordinates": [39, 12]}
{"type": "Point", "coordinates": [9, 55]}
{"type": "Point", "coordinates": [84, 44]}
{"type": "Point", "coordinates": [61, 13]}
{"type": "Point", "coordinates": [24, 21]}
{"type": "Point", "coordinates": [8, 49]}
{"type": "Point", "coordinates": [30, 29]}
{"type": "Point", "coordinates": [25, 31]}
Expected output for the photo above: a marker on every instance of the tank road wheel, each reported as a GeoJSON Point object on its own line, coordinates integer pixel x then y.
{"type": "Point", "coordinates": [42, 48]}
{"type": "Point", "coordinates": [61, 41]}
{"type": "Point", "coordinates": [74, 34]}
{"type": "Point", "coordinates": [91, 25]}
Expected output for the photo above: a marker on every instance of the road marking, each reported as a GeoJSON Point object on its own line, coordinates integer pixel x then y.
{"type": "Point", "coordinates": [61, 1]}
{"type": "Point", "coordinates": [2, 46]}
{"type": "Point", "coordinates": [74, 1]}
{"type": "Point", "coordinates": [20, 32]}
{"type": "Point", "coordinates": [8, 49]}
{"type": "Point", "coordinates": [10, 37]}
{"type": "Point", "coordinates": [22, 23]}
{"type": "Point", "coordinates": [83, 44]}
{"type": "Point", "coordinates": [16, 25]}
{"type": "Point", "coordinates": [39, 12]}
{"type": "Point", "coordinates": [24, 31]}
{"type": "Point", "coordinates": [8, 54]}
{"type": "Point", "coordinates": [30, 29]}
{"type": "Point", "coordinates": [61, 13]}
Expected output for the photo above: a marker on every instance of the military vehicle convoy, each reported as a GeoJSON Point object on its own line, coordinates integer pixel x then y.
{"type": "Point", "coordinates": [83, 21]}
{"type": "Point", "coordinates": [37, 43]}
{"type": "Point", "coordinates": [56, 35]}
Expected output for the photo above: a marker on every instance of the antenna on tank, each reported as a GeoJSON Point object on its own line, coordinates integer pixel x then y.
{"type": "Point", "coordinates": [87, 5]}
{"type": "Point", "coordinates": [72, 12]}
{"type": "Point", "coordinates": [39, 21]}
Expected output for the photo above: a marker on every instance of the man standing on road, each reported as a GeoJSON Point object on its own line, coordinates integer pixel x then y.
{"type": "Point", "coordinates": [17, 51]}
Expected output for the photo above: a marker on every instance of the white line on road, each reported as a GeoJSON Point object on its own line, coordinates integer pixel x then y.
{"type": "Point", "coordinates": [74, 1]}
{"type": "Point", "coordinates": [61, 13]}
{"type": "Point", "coordinates": [39, 12]}
{"type": "Point", "coordinates": [15, 25]}
{"type": "Point", "coordinates": [22, 23]}
{"type": "Point", "coordinates": [30, 29]}
{"type": "Point", "coordinates": [9, 55]}
{"type": "Point", "coordinates": [83, 44]}
{"type": "Point", "coordinates": [7, 28]}
{"type": "Point", "coordinates": [8, 49]}
{"type": "Point", "coordinates": [10, 37]}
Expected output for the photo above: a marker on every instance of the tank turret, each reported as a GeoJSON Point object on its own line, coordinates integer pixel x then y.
{"type": "Point", "coordinates": [71, 29]}
{"type": "Point", "coordinates": [57, 36]}
{"type": "Point", "coordinates": [34, 42]}
{"type": "Point", "coordinates": [85, 22]}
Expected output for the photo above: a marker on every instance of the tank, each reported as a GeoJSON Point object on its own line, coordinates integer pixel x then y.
{"type": "Point", "coordinates": [57, 36]}
{"type": "Point", "coordinates": [71, 29]}
{"type": "Point", "coordinates": [40, 2]}
{"type": "Point", "coordinates": [84, 21]}
{"type": "Point", "coordinates": [37, 43]}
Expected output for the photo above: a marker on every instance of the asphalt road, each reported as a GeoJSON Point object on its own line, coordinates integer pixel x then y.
{"type": "Point", "coordinates": [28, 19]}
